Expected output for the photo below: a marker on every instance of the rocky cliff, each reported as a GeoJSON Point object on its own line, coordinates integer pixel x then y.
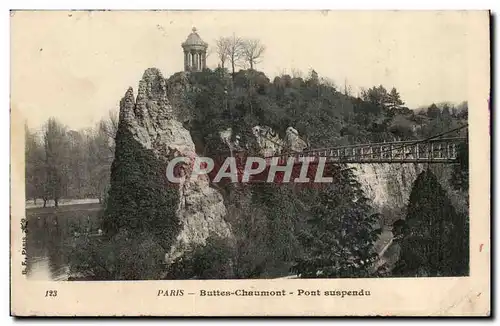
{"type": "Point", "coordinates": [388, 186]}
{"type": "Point", "coordinates": [152, 121]}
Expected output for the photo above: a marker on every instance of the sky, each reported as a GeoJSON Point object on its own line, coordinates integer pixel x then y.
{"type": "Point", "coordinates": [76, 65]}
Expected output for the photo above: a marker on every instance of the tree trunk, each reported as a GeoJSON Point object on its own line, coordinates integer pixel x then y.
{"type": "Point", "coordinates": [56, 202]}
{"type": "Point", "coordinates": [44, 202]}
{"type": "Point", "coordinates": [34, 200]}
{"type": "Point", "coordinates": [251, 64]}
{"type": "Point", "coordinates": [232, 65]}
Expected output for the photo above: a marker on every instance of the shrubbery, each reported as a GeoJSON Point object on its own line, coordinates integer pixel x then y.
{"type": "Point", "coordinates": [214, 260]}
{"type": "Point", "coordinates": [125, 256]}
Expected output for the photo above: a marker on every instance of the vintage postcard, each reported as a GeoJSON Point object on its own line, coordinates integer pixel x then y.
{"type": "Point", "coordinates": [250, 163]}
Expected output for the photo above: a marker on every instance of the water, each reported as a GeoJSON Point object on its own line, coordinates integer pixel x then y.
{"type": "Point", "coordinates": [50, 233]}
{"type": "Point", "coordinates": [46, 257]}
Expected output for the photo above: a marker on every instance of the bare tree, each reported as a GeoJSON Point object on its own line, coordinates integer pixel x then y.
{"type": "Point", "coordinates": [297, 73]}
{"type": "Point", "coordinates": [208, 52]}
{"type": "Point", "coordinates": [347, 88]}
{"type": "Point", "coordinates": [282, 72]}
{"type": "Point", "coordinates": [100, 160]}
{"type": "Point", "coordinates": [222, 46]}
{"type": "Point", "coordinates": [252, 51]}
{"type": "Point", "coordinates": [109, 127]}
{"type": "Point", "coordinates": [34, 166]}
{"type": "Point", "coordinates": [235, 51]}
{"type": "Point", "coordinates": [56, 160]}
{"type": "Point", "coordinates": [113, 123]}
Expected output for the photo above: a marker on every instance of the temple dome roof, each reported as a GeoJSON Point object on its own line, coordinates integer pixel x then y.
{"type": "Point", "coordinates": [194, 40]}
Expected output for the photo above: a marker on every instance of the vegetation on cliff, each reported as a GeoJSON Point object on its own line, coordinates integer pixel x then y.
{"type": "Point", "coordinates": [339, 237]}
{"type": "Point", "coordinates": [140, 199]}
{"type": "Point", "coordinates": [435, 238]}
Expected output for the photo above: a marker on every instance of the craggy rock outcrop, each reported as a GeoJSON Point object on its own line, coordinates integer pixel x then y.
{"type": "Point", "coordinates": [267, 141]}
{"type": "Point", "coordinates": [177, 87]}
{"type": "Point", "coordinates": [151, 120]}
{"type": "Point", "coordinates": [293, 143]}
{"type": "Point", "coordinates": [233, 145]}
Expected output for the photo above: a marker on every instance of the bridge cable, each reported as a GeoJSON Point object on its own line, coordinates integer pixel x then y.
{"type": "Point", "coordinates": [365, 154]}
{"type": "Point", "coordinates": [395, 148]}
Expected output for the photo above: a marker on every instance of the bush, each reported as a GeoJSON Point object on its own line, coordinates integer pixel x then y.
{"type": "Point", "coordinates": [210, 261]}
{"type": "Point", "coordinates": [124, 256]}
{"type": "Point", "coordinates": [401, 127]}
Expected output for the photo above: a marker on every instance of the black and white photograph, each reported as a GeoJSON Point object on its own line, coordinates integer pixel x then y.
{"type": "Point", "coordinates": [258, 145]}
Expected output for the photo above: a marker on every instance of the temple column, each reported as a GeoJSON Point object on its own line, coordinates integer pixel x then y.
{"type": "Point", "coordinates": [204, 60]}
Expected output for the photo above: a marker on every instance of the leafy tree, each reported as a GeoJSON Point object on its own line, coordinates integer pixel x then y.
{"type": "Point", "coordinates": [446, 111]}
{"type": "Point", "coordinates": [433, 241]}
{"type": "Point", "coordinates": [313, 78]}
{"type": "Point", "coordinates": [338, 241]}
{"type": "Point", "coordinates": [282, 212]}
{"type": "Point", "coordinates": [463, 110]}
{"type": "Point", "coordinates": [394, 102]}
{"type": "Point", "coordinates": [433, 111]}
{"type": "Point", "coordinates": [376, 95]}
{"type": "Point", "coordinates": [460, 173]}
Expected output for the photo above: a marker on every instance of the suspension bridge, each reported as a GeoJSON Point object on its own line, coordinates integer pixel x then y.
{"type": "Point", "coordinates": [435, 149]}
{"type": "Point", "coordinates": [432, 151]}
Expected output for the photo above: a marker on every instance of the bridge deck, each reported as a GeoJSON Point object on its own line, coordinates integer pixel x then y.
{"type": "Point", "coordinates": [442, 150]}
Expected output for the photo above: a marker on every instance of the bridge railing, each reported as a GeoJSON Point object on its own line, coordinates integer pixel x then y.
{"type": "Point", "coordinates": [435, 150]}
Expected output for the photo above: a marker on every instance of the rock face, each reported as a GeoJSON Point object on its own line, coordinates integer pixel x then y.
{"type": "Point", "coordinates": [151, 120]}
{"type": "Point", "coordinates": [233, 145]}
{"type": "Point", "coordinates": [388, 186]}
{"type": "Point", "coordinates": [267, 140]}
{"type": "Point", "coordinates": [293, 142]}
